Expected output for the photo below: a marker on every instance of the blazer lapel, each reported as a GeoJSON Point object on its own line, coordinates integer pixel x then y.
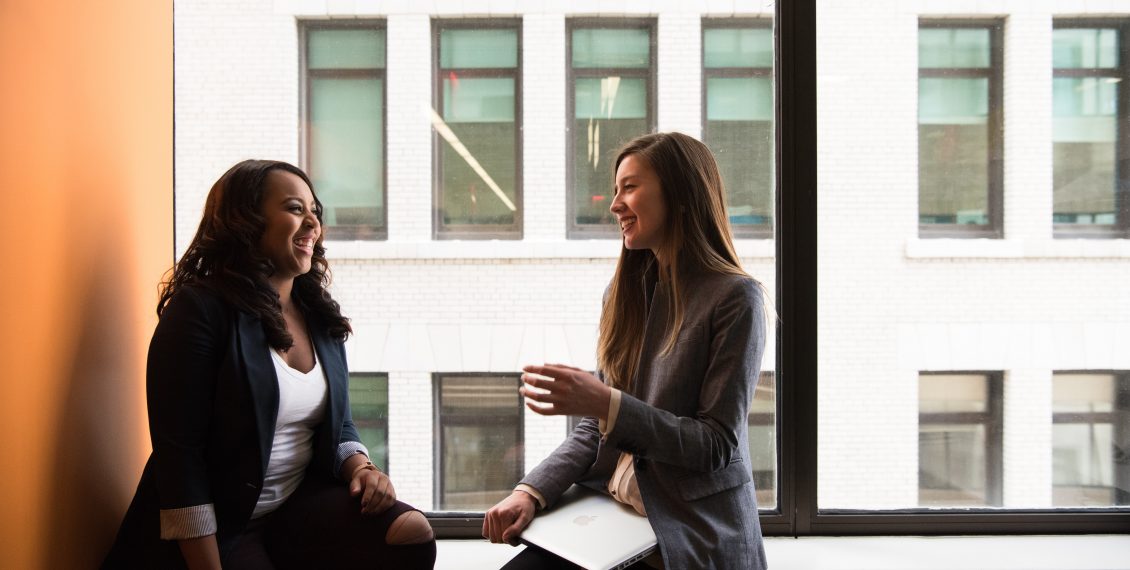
{"type": "Point", "coordinates": [337, 385]}
{"type": "Point", "coordinates": [262, 381]}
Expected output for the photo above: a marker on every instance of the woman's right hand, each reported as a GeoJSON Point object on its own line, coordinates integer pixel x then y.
{"type": "Point", "coordinates": [505, 521]}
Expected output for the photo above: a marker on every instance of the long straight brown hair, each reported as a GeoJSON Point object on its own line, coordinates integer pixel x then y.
{"type": "Point", "coordinates": [697, 238]}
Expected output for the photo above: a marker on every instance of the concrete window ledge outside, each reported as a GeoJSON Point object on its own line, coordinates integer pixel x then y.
{"type": "Point", "coordinates": [1084, 552]}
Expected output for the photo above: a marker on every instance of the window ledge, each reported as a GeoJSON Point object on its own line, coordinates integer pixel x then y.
{"type": "Point", "coordinates": [1084, 552]}
{"type": "Point", "coordinates": [1018, 249]}
{"type": "Point", "coordinates": [503, 249]}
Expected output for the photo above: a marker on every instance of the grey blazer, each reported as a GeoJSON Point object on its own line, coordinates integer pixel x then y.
{"type": "Point", "coordinates": [685, 422]}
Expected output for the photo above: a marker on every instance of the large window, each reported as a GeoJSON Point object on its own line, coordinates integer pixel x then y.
{"type": "Point", "coordinates": [737, 61]}
{"type": "Point", "coordinates": [1091, 439]}
{"type": "Point", "coordinates": [959, 440]}
{"type": "Point", "coordinates": [959, 129]}
{"type": "Point", "coordinates": [478, 130]}
{"type": "Point", "coordinates": [611, 100]}
{"type": "Point", "coordinates": [1091, 129]}
{"type": "Point", "coordinates": [344, 127]}
{"type": "Point", "coordinates": [368, 401]}
{"type": "Point", "coordinates": [479, 436]}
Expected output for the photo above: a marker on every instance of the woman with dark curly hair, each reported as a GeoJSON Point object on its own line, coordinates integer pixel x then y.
{"type": "Point", "coordinates": [256, 462]}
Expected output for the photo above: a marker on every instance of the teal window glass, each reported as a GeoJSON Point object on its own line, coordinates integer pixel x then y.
{"type": "Point", "coordinates": [478, 194]}
{"type": "Point", "coordinates": [1085, 127]}
{"type": "Point", "coordinates": [478, 49]}
{"type": "Point", "coordinates": [739, 113]}
{"type": "Point", "coordinates": [611, 48]}
{"type": "Point", "coordinates": [481, 440]}
{"type": "Point", "coordinates": [368, 401]}
{"type": "Point", "coordinates": [345, 129]}
{"type": "Point", "coordinates": [737, 47]}
{"type": "Point", "coordinates": [956, 175]}
{"type": "Point", "coordinates": [611, 74]}
{"type": "Point", "coordinates": [345, 49]}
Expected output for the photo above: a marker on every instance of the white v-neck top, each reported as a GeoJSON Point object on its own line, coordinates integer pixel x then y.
{"type": "Point", "coordinates": [302, 404]}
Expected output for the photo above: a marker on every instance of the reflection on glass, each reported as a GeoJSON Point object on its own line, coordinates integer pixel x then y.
{"type": "Point", "coordinates": [958, 443]}
{"type": "Point", "coordinates": [954, 142]}
{"type": "Point", "coordinates": [611, 75]}
{"type": "Point", "coordinates": [1085, 126]}
{"type": "Point", "coordinates": [481, 451]}
{"type": "Point", "coordinates": [763, 440]}
{"type": "Point", "coordinates": [739, 112]}
{"type": "Point", "coordinates": [1090, 440]}
{"type": "Point", "coordinates": [478, 183]}
{"type": "Point", "coordinates": [345, 114]}
{"type": "Point", "coordinates": [368, 402]}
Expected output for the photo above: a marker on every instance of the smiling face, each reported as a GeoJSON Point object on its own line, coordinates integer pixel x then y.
{"type": "Point", "coordinates": [291, 225]}
{"type": "Point", "coordinates": [639, 206]}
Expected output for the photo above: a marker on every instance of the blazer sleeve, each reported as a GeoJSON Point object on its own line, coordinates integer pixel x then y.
{"type": "Point", "coordinates": [567, 464]}
{"type": "Point", "coordinates": [184, 359]}
{"type": "Point", "coordinates": [709, 440]}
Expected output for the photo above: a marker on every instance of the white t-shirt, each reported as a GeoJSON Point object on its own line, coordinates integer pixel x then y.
{"type": "Point", "coordinates": [302, 405]}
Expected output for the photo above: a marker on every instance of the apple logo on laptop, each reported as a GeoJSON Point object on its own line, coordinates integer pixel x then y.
{"type": "Point", "coordinates": [584, 520]}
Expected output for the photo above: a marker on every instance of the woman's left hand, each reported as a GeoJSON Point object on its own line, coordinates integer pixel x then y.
{"type": "Point", "coordinates": [571, 391]}
{"type": "Point", "coordinates": [375, 489]}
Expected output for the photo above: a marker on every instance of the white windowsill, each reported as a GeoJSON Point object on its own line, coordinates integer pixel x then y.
{"type": "Point", "coordinates": [1086, 552]}
{"type": "Point", "coordinates": [981, 248]}
{"type": "Point", "coordinates": [506, 249]}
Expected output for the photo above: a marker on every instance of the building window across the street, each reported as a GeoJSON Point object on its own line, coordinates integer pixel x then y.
{"type": "Point", "coordinates": [611, 97]}
{"type": "Point", "coordinates": [344, 126]}
{"type": "Point", "coordinates": [737, 61]}
{"type": "Point", "coordinates": [479, 443]}
{"type": "Point", "coordinates": [959, 439]}
{"type": "Point", "coordinates": [368, 402]}
{"type": "Point", "coordinates": [478, 131]}
{"type": "Point", "coordinates": [763, 440]}
{"type": "Point", "coordinates": [960, 146]}
{"type": "Point", "coordinates": [1091, 439]}
{"type": "Point", "coordinates": [1090, 129]}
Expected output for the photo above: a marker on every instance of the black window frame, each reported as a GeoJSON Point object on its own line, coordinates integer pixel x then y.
{"type": "Point", "coordinates": [995, 124]}
{"type": "Point", "coordinates": [992, 418]}
{"type": "Point", "coordinates": [441, 231]}
{"type": "Point", "coordinates": [797, 280]}
{"type": "Point", "coordinates": [1121, 228]}
{"type": "Point", "coordinates": [573, 230]}
{"type": "Point", "coordinates": [744, 231]}
{"type": "Point", "coordinates": [343, 232]}
{"type": "Point", "coordinates": [458, 519]}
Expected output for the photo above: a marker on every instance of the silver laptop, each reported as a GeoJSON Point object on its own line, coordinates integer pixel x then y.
{"type": "Point", "coordinates": [592, 530]}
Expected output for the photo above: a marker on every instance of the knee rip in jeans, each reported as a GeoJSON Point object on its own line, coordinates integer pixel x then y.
{"type": "Point", "coordinates": [409, 528]}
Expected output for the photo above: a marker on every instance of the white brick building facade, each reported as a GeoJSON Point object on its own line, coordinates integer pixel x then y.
{"type": "Point", "coordinates": [891, 304]}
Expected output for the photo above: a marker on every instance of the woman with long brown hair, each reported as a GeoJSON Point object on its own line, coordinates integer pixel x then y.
{"type": "Point", "coordinates": [256, 462]}
{"type": "Point", "coordinates": [682, 333]}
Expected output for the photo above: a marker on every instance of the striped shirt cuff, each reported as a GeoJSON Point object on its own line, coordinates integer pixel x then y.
{"type": "Point", "coordinates": [347, 449]}
{"type": "Point", "coordinates": [188, 522]}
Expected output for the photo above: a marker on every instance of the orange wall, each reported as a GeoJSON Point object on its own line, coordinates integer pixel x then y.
{"type": "Point", "coordinates": [86, 207]}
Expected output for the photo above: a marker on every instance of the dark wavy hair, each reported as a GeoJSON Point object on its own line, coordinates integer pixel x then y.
{"type": "Point", "coordinates": [224, 257]}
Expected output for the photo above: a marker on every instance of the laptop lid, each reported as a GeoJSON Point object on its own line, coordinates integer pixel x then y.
{"type": "Point", "coordinates": [592, 530]}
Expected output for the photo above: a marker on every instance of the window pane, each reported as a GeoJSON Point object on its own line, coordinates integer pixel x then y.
{"type": "Point", "coordinates": [955, 449]}
{"type": "Point", "coordinates": [478, 170]}
{"type": "Point", "coordinates": [368, 401]}
{"type": "Point", "coordinates": [951, 48]}
{"type": "Point", "coordinates": [737, 47]}
{"type": "Point", "coordinates": [481, 441]}
{"type": "Point", "coordinates": [625, 48]}
{"type": "Point", "coordinates": [609, 111]}
{"type": "Point", "coordinates": [469, 49]}
{"type": "Point", "coordinates": [1090, 440]}
{"type": "Point", "coordinates": [763, 440]}
{"type": "Point", "coordinates": [1085, 146]}
{"type": "Point", "coordinates": [1084, 48]}
{"type": "Point", "coordinates": [346, 49]}
{"type": "Point", "coordinates": [953, 151]}
{"type": "Point", "coordinates": [739, 129]}
{"type": "Point", "coordinates": [347, 149]}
